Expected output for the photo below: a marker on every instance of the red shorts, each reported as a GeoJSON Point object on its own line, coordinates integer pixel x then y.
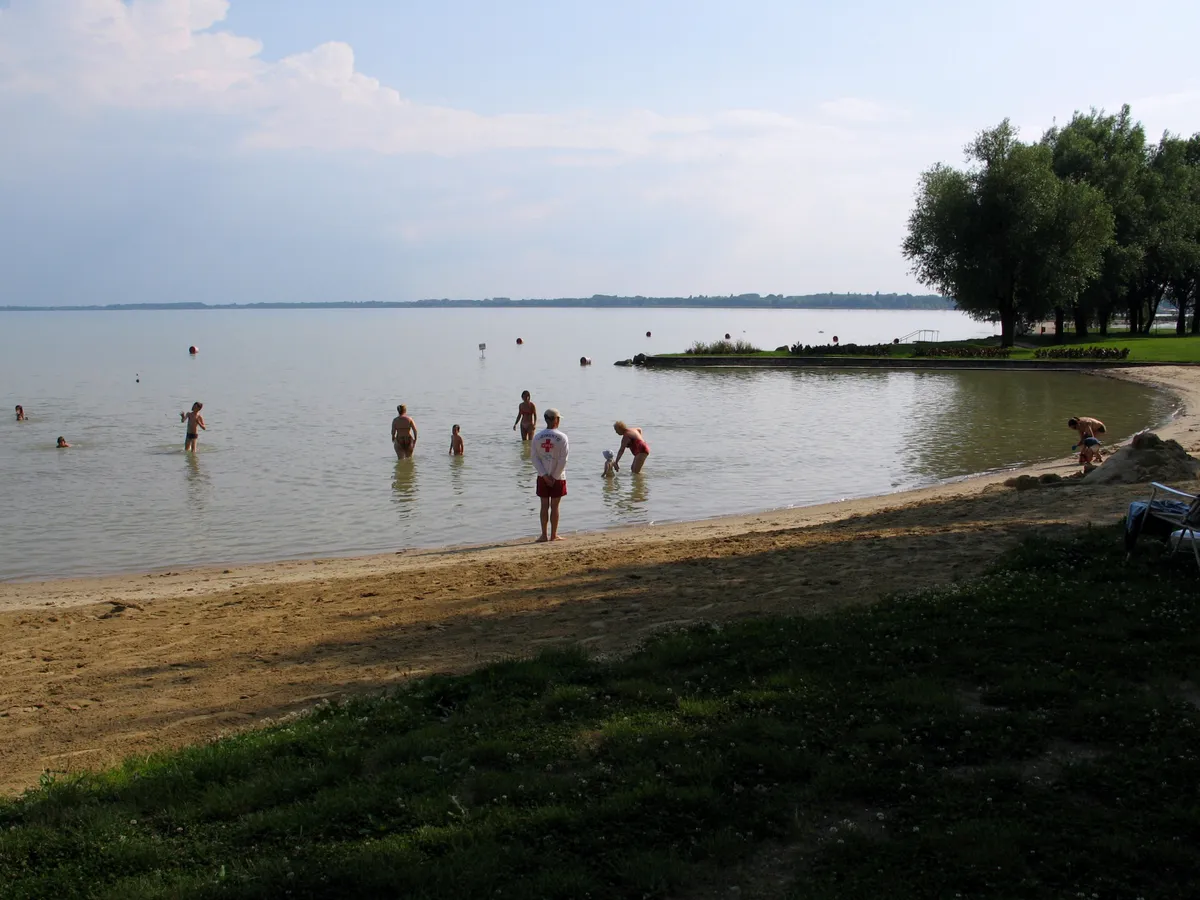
{"type": "Point", "coordinates": [558, 489]}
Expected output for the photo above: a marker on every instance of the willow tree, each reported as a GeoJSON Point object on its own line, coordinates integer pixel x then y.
{"type": "Point", "coordinates": [1006, 237]}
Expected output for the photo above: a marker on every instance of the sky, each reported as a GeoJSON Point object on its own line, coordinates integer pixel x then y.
{"type": "Point", "coordinates": [240, 151]}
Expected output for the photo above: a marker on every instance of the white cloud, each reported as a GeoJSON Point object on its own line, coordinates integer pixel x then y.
{"type": "Point", "coordinates": [172, 55]}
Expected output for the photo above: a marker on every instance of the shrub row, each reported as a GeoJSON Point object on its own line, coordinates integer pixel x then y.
{"type": "Point", "coordinates": [1081, 353]}
{"type": "Point", "coordinates": [841, 350]}
{"type": "Point", "coordinates": [721, 348]}
{"type": "Point", "coordinates": [965, 352]}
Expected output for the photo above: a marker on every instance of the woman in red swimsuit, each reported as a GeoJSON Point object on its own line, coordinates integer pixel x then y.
{"type": "Point", "coordinates": [634, 441]}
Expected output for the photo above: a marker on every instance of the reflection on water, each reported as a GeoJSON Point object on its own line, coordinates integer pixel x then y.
{"type": "Point", "coordinates": [456, 475]}
{"type": "Point", "coordinates": [404, 486]}
{"type": "Point", "coordinates": [961, 423]}
{"type": "Point", "coordinates": [626, 495]}
{"type": "Point", "coordinates": [197, 480]}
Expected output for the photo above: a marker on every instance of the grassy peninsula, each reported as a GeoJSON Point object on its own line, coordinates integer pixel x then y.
{"type": "Point", "coordinates": [1153, 348]}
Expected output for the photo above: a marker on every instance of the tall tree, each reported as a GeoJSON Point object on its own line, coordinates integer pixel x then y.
{"type": "Point", "coordinates": [1109, 153]}
{"type": "Point", "coordinates": [1006, 237]}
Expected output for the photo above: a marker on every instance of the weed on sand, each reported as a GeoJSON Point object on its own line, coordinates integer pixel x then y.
{"type": "Point", "coordinates": [1030, 734]}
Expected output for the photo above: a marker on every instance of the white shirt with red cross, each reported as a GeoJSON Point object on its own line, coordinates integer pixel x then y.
{"type": "Point", "coordinates": [550, 453]}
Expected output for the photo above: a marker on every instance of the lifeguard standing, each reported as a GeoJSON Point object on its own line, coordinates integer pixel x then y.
{"type": "Point", "coordinates": [550, 463]}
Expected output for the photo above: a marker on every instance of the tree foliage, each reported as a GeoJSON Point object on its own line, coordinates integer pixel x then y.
{"type": "Point", "coordinates": [1090, 222]}
{"type": "Point", "coordinates": [1007, 237]}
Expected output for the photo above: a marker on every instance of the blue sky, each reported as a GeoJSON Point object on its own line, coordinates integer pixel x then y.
{"type": "Point", "coordinates": [203, 150]}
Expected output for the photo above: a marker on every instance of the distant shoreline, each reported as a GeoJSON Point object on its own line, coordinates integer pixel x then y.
{"type": "Point", "coordinates": [888, 302]}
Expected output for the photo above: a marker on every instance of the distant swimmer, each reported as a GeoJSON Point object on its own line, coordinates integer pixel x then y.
{"type": "Point", "coordinates": [456, 442]}
{"type": "Point", "coordinates": [404, 433]}
{"type": "Point", "coordinates": [550, 463]}
{"type": "Point", "coordinates": [634, 441]}
{"type": "Point", "coordinates": [526, 416]}
{"type": "Point", "coordinates": [62, 443]}
{"type": "Point", "coordinates": [20, 413]}
{"type": "Point", "coordinates": [1089, 443]}
{"type": "Point", "coordinates": [194, 421]}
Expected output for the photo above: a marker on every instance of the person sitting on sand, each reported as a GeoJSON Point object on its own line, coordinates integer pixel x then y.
{"type": "Point", "coordinates": [634, 441]}
{"type": "Point", "coordinates": [1089, 443]}
{"type": "Point", "coordinates": [62, 442]}
{"type": "Point", "coordinates": [20, 413]}
{"type": "Point", "coordinates": [404, 433]}
{"type": "Point", "coordinates": [456, 442]}
{"type": "Point", "coordinates": [526, 416]}
{"type": "Point", "coordinates": [194, 421]}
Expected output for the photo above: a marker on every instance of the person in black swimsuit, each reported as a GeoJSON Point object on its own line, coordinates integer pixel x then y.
{"type": "Point", "coordinates": [194, 421]}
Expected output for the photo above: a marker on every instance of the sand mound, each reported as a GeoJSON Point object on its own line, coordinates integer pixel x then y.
{"type": "Point", "coordinates": [1146, 458]}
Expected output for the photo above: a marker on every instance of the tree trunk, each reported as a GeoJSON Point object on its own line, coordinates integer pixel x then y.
{"type": "Point", "coordinates": [1008, 324]}
{"type": "Point", "coordinates": [1103, 313]}
{"type": "Point", "coordinates": [1181, 315]}
{"type": "Point", "coordinates": [1152, 301]}
{"type": "Point", "coordinates": [1081, 320]}
{"type": "Point", "coordinates": [1059, 332]}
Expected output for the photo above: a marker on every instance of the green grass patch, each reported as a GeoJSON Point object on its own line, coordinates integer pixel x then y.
{"type": "Point", "coordinates": [1155, 348]}
{"type": "Point", "coordinates": [1032, 734]}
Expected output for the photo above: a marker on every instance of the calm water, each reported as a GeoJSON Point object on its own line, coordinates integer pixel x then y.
{"type": "Point", "coordinates": [297, 460]}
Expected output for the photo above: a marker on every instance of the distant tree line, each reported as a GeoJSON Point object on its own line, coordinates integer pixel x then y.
{"type": "Point", "coordinates": [748, 301]}
{"type": "Point", "coordinates": [1089, 223]}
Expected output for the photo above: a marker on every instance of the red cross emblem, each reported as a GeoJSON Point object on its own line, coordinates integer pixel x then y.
{"type": "Point", "coordinates": [547, 445]}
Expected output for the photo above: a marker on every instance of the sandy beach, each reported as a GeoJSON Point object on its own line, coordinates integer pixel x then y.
{"type": "Point", "coordinates": [92, 670]}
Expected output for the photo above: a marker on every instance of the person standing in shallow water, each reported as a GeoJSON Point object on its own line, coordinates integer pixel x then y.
{"type": "Point", "coordinates": [526, 416]}
{"type": "Point", "coordinates": [634, 441]}
{"type": "Point", "coordinates": [404, 433]}
{"type": "Point", "coordinates": [194, 421]}
{"type": "Point", "coordinates": [456, 442]}
{"type": "Point", "coordinates": [550, 463]}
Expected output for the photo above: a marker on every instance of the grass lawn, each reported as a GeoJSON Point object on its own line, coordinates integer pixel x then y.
{"type": "Point", "coordinates": [1162, 348]}
{"type": "Point", "coordinates": [1032, 734]}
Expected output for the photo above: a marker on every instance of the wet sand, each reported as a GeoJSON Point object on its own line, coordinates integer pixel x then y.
{"type": "Point", "coordinates": [92, 670]}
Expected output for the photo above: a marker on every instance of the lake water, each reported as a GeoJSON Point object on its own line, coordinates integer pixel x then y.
{"type": "Point", "coordinates": [297, 459]}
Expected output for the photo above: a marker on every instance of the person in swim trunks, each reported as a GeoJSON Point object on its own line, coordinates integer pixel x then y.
{"type": "Point", "coordinates": [404, 433]}
{"type": "Point", "coordinates": [550, 463]}
{"type": "Point", "coordinates": [634, 441]}
{"type": "Point", "coordinates": [1089, 443]}
{"type": "Point", "coordinates": [526, 416]}
{"type": "Point", "coordinates": [194, 421]}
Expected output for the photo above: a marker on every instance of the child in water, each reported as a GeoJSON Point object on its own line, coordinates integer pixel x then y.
{"type": "Point", "coordinates": [456, 442]}
{"type": "Point", "coordinates": [610, 464]}
{"type": "Point", "coordinates": [62, 442]}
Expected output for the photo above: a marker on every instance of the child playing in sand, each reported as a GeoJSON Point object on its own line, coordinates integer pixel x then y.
{"type": "Point", "coordinates": [456, 442]}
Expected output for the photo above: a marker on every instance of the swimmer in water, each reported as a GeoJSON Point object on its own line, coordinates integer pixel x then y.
{"type": "Point", "coordinates": [194, 421]}
{"type": "Point", "coordinates": [526, 416]}
{"type": "Point", "coordinates": [634, 441]}
{"type": "Point", "coordinates": [456, 442]}
{"type": "Point", "coordinates": [62, 443]}
{"type": "Point", "coordinates": [404, 433]}
{"type": "Point", "coordinates": [20, 413]}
